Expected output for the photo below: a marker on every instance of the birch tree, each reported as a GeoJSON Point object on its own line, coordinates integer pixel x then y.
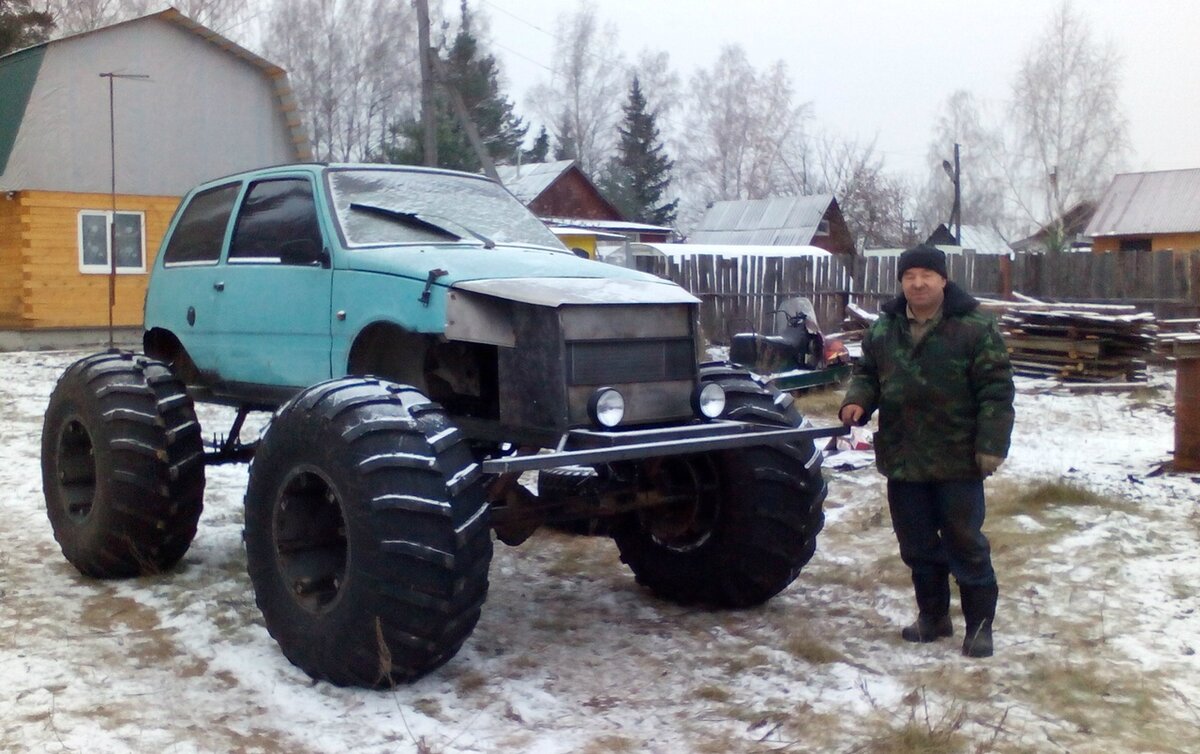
{"type": "Point", "coordinates": [740, 129]}
{"type": "Point", "coordinates": [982, 183]}
{"type": "Point", "coordinates": [581, 103]}
{"type": "Point", "coordinates": [1069, 135]}
{"type": "Point", "coordinates": [353, 67]}
{"type": "Point", "coordinates": [226, 17]}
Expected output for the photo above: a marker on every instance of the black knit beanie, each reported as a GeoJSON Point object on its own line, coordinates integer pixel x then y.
{"type": "Point", "coordinates": [924, 255]}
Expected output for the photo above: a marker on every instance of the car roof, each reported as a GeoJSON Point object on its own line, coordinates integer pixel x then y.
{"type": "Point", "coordinates": [321, 167]}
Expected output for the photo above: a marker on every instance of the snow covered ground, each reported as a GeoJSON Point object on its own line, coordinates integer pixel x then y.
{"type": "Point", "coordinates": [1096, 635]}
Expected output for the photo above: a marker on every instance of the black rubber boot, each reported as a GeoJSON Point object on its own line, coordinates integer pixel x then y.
{"type": "Point", "coordinates": [933, 602]}
{"type": "Point", "coordinates": [979, 610]}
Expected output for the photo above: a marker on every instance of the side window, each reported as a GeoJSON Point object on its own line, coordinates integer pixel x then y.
{"type": "Point", "coordinates": [277, 223]}
{"type": "Point", "coordinates": [200, 231]}
{"type": "Point", "coordinates": [97, 231]}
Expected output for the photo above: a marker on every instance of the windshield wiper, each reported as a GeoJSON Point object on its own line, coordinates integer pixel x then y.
{"type": "Point", "coordinates": [408, 218]}
{"type": "Point", "coordinates": [418, 221]}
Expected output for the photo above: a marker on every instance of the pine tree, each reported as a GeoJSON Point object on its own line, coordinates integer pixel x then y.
{"type": "Point", "coordinates": [476, 78]}
{"type": "Point", "coordinates": [566, 147]}
{"type": "Point", "coordinates": [636, 179]}
{"type": "Point", "coordinates": [22, 26]}
{"type": "Point", "coordinates": [540, 149]}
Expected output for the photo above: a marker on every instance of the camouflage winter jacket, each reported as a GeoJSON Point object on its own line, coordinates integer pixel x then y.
{"type": "Point", "coordinates": [940, 402]}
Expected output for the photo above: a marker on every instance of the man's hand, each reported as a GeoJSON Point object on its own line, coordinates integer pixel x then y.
{"type": "Point", "coordinates": [851, 414]}
{"type": "Point", "coordinates": [988, 463]}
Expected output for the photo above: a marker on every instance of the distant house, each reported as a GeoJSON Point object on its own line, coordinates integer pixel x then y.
{"type": "Point", "coordinates": [978, 238]}
{"type": "Point", "coordinates": [566, 199]}
{"type": "Point", "coordinates": [1149, 212]}
{"type": "Point", "coordinates": [207, 108]}
{"type": "Point", "coordinates": [1073, 224]}
{"type": "Point", "coordinates": [779, 221]}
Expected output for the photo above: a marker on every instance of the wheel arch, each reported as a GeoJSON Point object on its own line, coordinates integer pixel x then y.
{"type": "Point", "coordinates": [164, 345]}
{"type": "Point", "coordinates": [386, 349]}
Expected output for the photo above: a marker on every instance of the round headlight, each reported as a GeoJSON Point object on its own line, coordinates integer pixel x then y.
{"type": "Point", "coordinates": [606, 407]}
{"type": "Point", "coordinates": [710, 401]}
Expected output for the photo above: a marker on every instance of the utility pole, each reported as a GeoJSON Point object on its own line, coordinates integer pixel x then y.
{"type": "Point", "coordinates": [955, 173]}
{"type": "Point", "coordinates": [428, 117]}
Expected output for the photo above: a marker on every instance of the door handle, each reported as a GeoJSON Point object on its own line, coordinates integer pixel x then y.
{"type": "Point", "coordinates": [219, 285]}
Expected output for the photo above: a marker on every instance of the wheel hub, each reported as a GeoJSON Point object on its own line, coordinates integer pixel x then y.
{"type": "Point", "coordinates": [311, 547]}
{"type": "Point", "coordinates": [76, 470]}
{"type": "Point", "coordinates": [688, 493]}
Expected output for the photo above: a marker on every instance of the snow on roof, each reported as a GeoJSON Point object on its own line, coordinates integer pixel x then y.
{"type": "Point", "coordinates": [732, 251]}
{"type": "Point", "coordinates": [778, 221]}
{"type": "Point", "coordinates": [1166, 201]}
{"type": "Point", "coordinates": [528, 181]}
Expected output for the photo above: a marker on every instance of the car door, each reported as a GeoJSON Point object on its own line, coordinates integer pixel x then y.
{"type": "Point", "coordinates": [182, 298]}
{"type": "Point", "coordinates": [273, 290]}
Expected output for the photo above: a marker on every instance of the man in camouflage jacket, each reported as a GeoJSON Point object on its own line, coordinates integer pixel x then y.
{"type": "Point", "coordinates": [937, 370]}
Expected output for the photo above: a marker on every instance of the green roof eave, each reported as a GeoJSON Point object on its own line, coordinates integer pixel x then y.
{"type": "Point", "coordinates": [18, 73]}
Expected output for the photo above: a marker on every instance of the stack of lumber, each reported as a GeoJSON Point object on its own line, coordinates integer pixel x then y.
{"type": "Point", "coordinates": [1077, 342]}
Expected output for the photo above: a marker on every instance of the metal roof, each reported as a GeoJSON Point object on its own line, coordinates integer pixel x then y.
{"type": "Point", "coordinates": [730, 251]}
{"type": "Point", "coordinates": [527, 182]}
{"type": "Point", "coordinates": [979, 238]}
{"type": "Point", "coordinates": [778, 221]}
{"type": "Point", "coordinates": [208, 107]}
{"type": "Point", "coordinates": [1166, 201]}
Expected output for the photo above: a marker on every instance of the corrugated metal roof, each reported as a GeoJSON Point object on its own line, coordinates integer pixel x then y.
{"type": "Point", "coordinates": [527, 182]}
{"type": "Point", "coordinates": [730, 251]}
{"type": "Point", "coordinates": [1166, 201]}
{"type": "Point", "coordinates": [982, 239]}
{"type": "Point", "coordinates": [778, 221]}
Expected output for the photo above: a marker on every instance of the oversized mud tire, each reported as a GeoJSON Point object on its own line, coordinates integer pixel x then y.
{"type": "Point", "coordinates": [754, 515]}
{"type": "Point", "coordinates": [122, 466]}
{"type": "Point", "coordinates": [367, 533]}
{"type": "Point", "coordinates": [572, 481]}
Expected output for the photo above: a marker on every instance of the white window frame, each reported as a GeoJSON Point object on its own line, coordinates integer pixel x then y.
{"type": "Point", "coordinates": [106, 268]}
{"type": "Point", "coordinates": [822, 228]}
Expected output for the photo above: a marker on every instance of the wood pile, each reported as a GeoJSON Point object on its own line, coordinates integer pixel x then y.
{"type": "Point", "coordinates": [1077, 342]}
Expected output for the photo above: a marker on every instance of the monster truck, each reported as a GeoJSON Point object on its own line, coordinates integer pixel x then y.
{"type": "Point", "coordinates": [423, 341]}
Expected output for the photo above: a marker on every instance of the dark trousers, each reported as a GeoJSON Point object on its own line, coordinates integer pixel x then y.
{"type": "Point", "coordinates": [938, 526]}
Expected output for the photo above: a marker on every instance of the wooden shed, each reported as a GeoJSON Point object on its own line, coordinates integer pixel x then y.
{"type": "Point", "coordinates": [814, 220]}
{"type": "Point", "coordinates": [1154, 211]}
{"type": "Point", "coordinates": [205, 108]}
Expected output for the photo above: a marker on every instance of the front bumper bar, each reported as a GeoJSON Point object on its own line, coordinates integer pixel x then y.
{"type": "Point", "coordinates": [588, 447]}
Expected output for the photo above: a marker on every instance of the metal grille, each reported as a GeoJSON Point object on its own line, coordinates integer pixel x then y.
{"type": "Point", "coordinates": [612, 362]}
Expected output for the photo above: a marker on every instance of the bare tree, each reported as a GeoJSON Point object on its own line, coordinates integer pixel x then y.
{"type": "Point", "coordinates": [739, 130]}
{"type": "Point", "coordinates": [74, 16]}
{"type": "Point", "coordinates": [872, 200]}
{"type": "Point", "coordinates": [983, 202]}
{"type": "Point", "coordinates": [582, 100]}
{"type": "Point", "coordinates": [1070, 135]}
{"type": "Point", "coordinates": [352, 65]}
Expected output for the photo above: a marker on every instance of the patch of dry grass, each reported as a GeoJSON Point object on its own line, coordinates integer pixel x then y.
{"type": "Point", "coordinates": [1112, 700]}
{"type": "Point", "coordinates": [1036, 497]}
{"type": "Point", "coordinates": [712, 693]}
{"type": "Point", "coordinates": [821, 403]}
{"type": "Point", "coordinates": [916, 729]}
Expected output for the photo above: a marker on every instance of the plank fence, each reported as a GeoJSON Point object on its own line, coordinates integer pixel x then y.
{"type": "Point", "coordinates": [740, 294]}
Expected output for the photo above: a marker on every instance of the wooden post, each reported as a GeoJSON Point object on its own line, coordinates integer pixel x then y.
{"type": "Point", "coordinates": [1187, 406]}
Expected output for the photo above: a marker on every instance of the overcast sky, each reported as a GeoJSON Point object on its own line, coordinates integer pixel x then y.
{"type": "Point", "coordinates": [881, 68]}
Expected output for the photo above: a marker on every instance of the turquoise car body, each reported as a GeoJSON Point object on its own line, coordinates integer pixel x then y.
{"type": "Point", "coordinates": [262, 321]}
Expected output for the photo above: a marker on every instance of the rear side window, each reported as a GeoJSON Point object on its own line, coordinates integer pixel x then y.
{"type": "Point", "coordinates": [277, 222]}
{"type": "Point", "coordinates": [201, 229]}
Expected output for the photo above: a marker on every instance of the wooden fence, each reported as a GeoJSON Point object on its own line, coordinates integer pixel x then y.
{"type": "Point", "coordinates": [740, 294]}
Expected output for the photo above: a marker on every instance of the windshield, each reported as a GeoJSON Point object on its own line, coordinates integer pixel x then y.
{"type": "Point", "coordinates": [376, 207]}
